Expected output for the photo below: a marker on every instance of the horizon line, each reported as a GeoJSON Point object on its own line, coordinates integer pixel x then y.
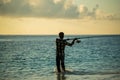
{"type": "Point", "coordinates": [50, 34]}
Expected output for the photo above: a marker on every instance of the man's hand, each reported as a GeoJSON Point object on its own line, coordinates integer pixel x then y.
{"type": "Point", "coordinates": [75, 39]}
{"type": "Point", "coordinates": [78, 41]}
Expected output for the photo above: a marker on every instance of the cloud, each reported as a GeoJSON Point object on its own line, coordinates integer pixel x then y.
{"type": "Point", "coordinates": [5, 1]}
{"type": "Point", "coordinates": [33, 2]}
{"type": "Point", "coordinates": [96, 13]}
{"type": "Point", "coordinates": [106, 16]}
{"type": "Point", "coordinates": [68, 4]}
{"type": "Point", "coordinates": [56, 1]}
{"type": "Point", "coordinates": [85, 12]}
{"type": "Point", "coordinates": [39, 8]}
{"type": "Point", "coordinates": [14, 8]}
{"type": "Point", "coordinates": [51, 9]}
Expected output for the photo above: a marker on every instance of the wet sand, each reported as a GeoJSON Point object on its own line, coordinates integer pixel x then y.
{"type": "Point", "coordinates": [70, 76]}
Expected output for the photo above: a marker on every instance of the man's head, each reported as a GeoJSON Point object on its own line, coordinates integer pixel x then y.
{"type": "Point", "coordinates": [61, 35]}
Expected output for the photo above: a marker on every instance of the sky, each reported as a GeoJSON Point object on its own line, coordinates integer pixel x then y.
{"type": "Point", "coordinates": [49, 17]}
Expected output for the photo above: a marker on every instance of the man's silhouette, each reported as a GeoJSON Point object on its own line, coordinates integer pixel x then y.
{"type": "Point", "coordinates": [60, 47]}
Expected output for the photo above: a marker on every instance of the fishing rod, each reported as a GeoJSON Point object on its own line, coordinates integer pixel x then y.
{"type": "Point", "coordinates": [88, 37]}
{"type": "Point", "coordinates": [78, 41]}
{"type": "Point", "coordinates": [80, 38]}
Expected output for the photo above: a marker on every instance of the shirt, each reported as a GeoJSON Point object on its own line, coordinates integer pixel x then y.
{"type": "Point", "coordinates": [60, 46]}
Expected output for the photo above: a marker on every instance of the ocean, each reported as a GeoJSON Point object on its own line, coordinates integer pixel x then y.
{"type": "Point", "coordinates": [33, 58]}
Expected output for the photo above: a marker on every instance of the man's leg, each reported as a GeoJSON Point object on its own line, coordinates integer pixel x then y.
{"type": "Point", "coordinates": [58, 63]}
{"type": "Point", "coordinates": [62, 62]}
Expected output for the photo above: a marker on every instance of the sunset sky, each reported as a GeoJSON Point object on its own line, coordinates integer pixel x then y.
{"type": "Point", "coordinates": [46, 17]}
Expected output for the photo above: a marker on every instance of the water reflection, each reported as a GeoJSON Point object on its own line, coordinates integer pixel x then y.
{"type": "Point", "coordinates": [61, 76]}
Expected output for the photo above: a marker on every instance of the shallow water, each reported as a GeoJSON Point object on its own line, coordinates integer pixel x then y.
{"type": "Point", "coordinates": [33, 58]}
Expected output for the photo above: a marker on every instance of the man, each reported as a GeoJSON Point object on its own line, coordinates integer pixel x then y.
{"type": "Point", "coordinates": [60, 47]}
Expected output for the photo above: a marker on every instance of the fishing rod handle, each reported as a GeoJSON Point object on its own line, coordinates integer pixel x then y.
{"type": "Point", "coordinates": [72, 38]}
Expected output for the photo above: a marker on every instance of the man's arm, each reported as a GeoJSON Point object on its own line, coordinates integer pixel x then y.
{"type": "Point", "coordinates": [70, 44]}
